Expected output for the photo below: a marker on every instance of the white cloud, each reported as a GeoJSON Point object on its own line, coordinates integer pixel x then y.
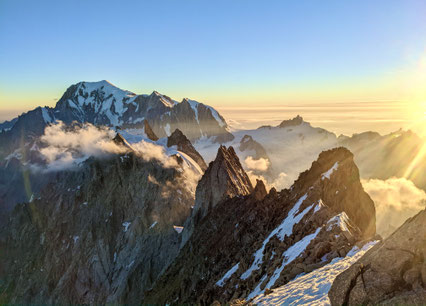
{"type": "Point", "coordinates": [67, 146]}
{"type": "Point", "coordinates": [396, 200]}
{"type": "Point", "coordinates": [280, 182]}
{"type": "Point", "coordinates": [261, 164]}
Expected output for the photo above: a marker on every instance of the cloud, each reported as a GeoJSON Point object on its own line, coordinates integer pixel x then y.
{"type": "Point", "coordinates": [64, 146]}
{"type": "Point", "coordinates": [261, 164]}
{"type": "Point", "coordinates": [280, 182]}
{"type": "Point", "coordinates": [396, 200]}
{"type": "Point", "coordinates": [150, 151]}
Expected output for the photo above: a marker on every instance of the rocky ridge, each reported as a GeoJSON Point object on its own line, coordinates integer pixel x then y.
{"type": "Point", "coordinates": [248, 244]}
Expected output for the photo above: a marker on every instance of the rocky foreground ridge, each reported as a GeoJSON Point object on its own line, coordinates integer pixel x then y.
{"type": "Point", "coordinates": [247, 244]}
{"type": "Point", "coordinates": [392, 273]}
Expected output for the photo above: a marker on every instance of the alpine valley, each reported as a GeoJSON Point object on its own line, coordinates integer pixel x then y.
{"type": "Point", "coordinates": [114, 197]}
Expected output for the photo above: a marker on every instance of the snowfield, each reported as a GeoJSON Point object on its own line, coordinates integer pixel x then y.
{"type": "Point", "coordinates": [313, 288]}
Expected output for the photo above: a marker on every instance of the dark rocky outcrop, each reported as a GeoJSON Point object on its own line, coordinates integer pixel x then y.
{"type": "Point", "coordinates": [248, 143]}
{"type": "Point", "coordinates": [119, 140]}
{"type": "Point", "coordinates": [148, 131]}
{"type": "Point", "coordinates": [298, 120]}
{"type": "Point", "coordinates": [247, 244]}
{"type": "Point", "coordinates": [182, 143]}
{"type": "Point", "coordinates": [392, 273]}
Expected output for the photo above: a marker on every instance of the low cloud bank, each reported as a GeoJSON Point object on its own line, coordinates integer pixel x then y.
{"type": "Point", "coordinates": [64, 146]}
{"type": "Point", "coordinates": [396, 200]}
{"type": "Point", "coordinates": [67, 146]}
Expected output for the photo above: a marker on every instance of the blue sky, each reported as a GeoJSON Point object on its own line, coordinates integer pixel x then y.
{"type": "Point", "coordinates": [220, 52]}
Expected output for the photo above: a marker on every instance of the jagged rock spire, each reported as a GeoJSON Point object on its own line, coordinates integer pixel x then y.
{"type": "Point", "coordinates": [148, 131]}
{"type": "Point", "coordinates": [119, 140]}
{"type": "Point", "coordinates": [224, 178]}
{"type": "Point", "coordinates": [178, 139]}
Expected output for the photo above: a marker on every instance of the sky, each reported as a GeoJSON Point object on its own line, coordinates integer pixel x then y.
{"type": "Point", "coordinates": [228, 54]}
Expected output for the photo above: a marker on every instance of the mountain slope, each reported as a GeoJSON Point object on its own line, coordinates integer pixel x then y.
{"type": "Point", "coordinates": [100, 233]}
{"type": "Point", "coordinates": [246, 244]}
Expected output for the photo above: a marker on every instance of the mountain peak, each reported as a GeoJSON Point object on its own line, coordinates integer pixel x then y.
{"type": "Point", "coordinates": [224, 178]}
{"type": "Point", "coordinates": [298, 120]}
{"type": "Point", "coordinates": [337, 176]}
{"type": "Point", "coordinates": [259, 191]}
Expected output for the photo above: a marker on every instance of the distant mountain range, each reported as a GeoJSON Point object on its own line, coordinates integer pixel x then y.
{"type": "Point", "coordinates": [102, 103]}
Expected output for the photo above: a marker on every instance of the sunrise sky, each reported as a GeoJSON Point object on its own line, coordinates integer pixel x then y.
{"type": "Point", "coordinates": [233, 55]}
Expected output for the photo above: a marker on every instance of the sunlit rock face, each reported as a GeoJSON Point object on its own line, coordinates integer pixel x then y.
{"type": "Point", "coordinates": [249, 243]}
{"type": "Point", "coordinates": [391, 273]}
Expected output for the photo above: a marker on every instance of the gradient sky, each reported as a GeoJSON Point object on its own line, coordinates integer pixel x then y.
{"type": "Point", "coordinates": [223, 53]}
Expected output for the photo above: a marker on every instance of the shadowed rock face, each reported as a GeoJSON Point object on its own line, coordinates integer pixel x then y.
{"type": "Point", "coordinates": [225, 177]}
{"type": "Point", "coordinates": [148, 131]}
{"type": "Point", "coordinates": [247, 244]}
{"type": "Point", "coordinates": [357, 204]}
{"type": "Point", "coordinates": [119, 140]}
{"type": "Point", "coordinates": [101, 233]}
{"type": "Point", "coordinates": [183, 144]}
{"type": "Point", "coordinates": [247, 143]}
{"type": "Point", "coordinates": [393, 272]}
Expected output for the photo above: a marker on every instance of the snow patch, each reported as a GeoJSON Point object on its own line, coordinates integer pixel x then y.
{"type": "Point", "coordinates": [167, 130]}
{"type": "Point", "coordinates": [291, 254]}
{"type": "Point", "coordinates": [46, 116]}
{"type": "Point", "coordinates": [312, 288]}
{"type": "Point", "coordinates": [227, 275]}
{"type": "Point", "coordinates": [284, 229]}
{"type": "Point", "coordinates": [178, 229]}
{"type": "Point", "coordinates": [330, 171]}
{"type": "Point", "coordinates": [341, 220]}
{"type": "Point", "coordinates": [126, 226]}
